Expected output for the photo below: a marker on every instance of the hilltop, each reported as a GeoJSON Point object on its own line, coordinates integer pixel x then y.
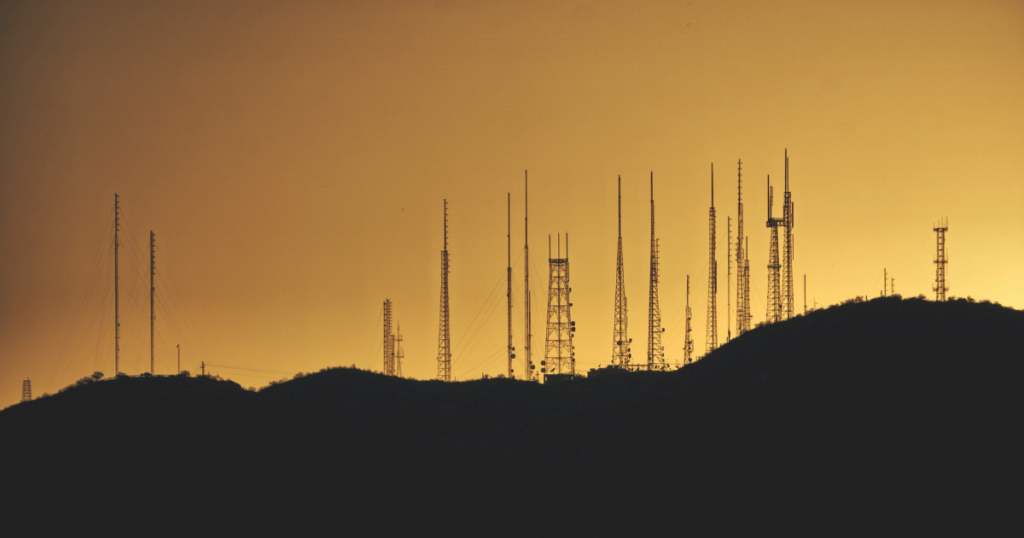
{"type": "Point", "coordinates": [887, 412]}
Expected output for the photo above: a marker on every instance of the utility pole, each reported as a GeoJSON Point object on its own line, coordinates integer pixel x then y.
{"type": "Point", "coordinates": [508, 294]}
{"type": "Point", "coordinates": [152, 308]}
{"type": "Point", "coordinates": [655, 350]}
{"type": "Point", "coordinates": [444, 348]}
{"type": "Point", "coordinates": [620, 338]}
{"type": "Point", "coordinates": [117, 319]}
{"type": "Point", "coordinates": [526, 269]}
{"type": "Point", "coordinates": [940, 287]}
{"type": "Point", "coordinates": [711, 341]}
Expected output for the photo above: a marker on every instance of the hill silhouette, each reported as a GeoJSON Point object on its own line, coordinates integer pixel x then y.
{"type": "Point", "coordinates": [894, 415]}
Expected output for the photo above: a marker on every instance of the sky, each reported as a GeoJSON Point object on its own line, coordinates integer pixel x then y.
{"type": "Point", "coordinates": [292, 159]}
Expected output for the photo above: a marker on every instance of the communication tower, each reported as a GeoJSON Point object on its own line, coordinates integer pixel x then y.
{"type": "Point", "coordinates": [711, 341]}
{"type": "Point", "coordinates": [655, 351]}
{"type": "Point", "coordinates": [558, 356]}
{"type": "Point", "coordinates": [444, 346]}
{"type": "Point", "coordinates": [742, 274]}
{"type": "Point", "coordinates": [774, 312]}
{"type": "Point", "coordinates": [399, 351]}
{"type": "Point", "coordinates": [620, 339]}
{"type": "Point", "coordinates": [746, 284]}
{"type": "Point", "coordinates": [788, 248]}
{"type": "Point", "coordinates": [389, 340]}
{"type": "Point", "coordinates": [508, 294]}
{"type": "Point", "coordinates": [526, 272]}
{"type": "Point", "coordinates": [152, 307]}
{"type": "Point", "coordinates": [26, 390]}
{"type": "Point", "coordinates": [728, 279]}
{"type": "Point", "coordinates": [117, 319]}
{"type": "Point", "coordinates": [940, 287]}
{"type": "Point", "coordinates": [688, 345]}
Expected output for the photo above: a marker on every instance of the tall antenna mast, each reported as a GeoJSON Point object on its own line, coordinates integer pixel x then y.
{"type": "Point", "coordinates": [389, 339]}
{"type": "Point", "coordinates": [940, 287]}
{"type": "Point", "coordinates": [788, 252]}
{"type": "Point", "coordinates": [526, 269]}
{"type": "Point", "coordinates": [620, 339]}
{"type": "Point", "coordinates": [688, 344]}
{"type": "Point", "coordinates": [117, 318]}
{"type": "Point", "coordinates": [444, 347]}
{"type": "Point", "coordinates": [399, 352]}
{"type": "Point", "coordinates": [774, 312]}
{"type": "Point", "coordinates": [711, 341]}
{"type": "Point", "coordinates": [655, 351]}
{"type": "Point", "coordinates": [558, 346]}
{"type": "Point", "coordinates": [508, 294]}
{"type": "Point", "coordinates": [742, 275]}
{"type": "Point", "coordinates": [179, 358]}
{"type": "Point", "coordinates": [728, 279]}
{"type": "Point", "coordinates": [152, 309]}
{"type": "Point", "coordinates": [805, 293]}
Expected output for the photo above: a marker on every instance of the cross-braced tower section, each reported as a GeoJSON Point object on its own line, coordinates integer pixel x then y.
{"type": "Point", "coordinates": [742, 275]}
{"type": "Point", "coordinates": [774, 312]}
{"type": "Point", "coordinates": [26, 390]}
{"type": "Point", "coordinates": [940, 287]}
{"type": "Point", "coordinates": [399, 350]}
{"type": "Point", "coordinates": [688, 345]}
{"type": "Point", "coordinates": [711, 340]}
{"type": "Point", "coordinates": [558, 351]}
{"type": "Point", "coordinates": [527, 327]}
{"type": "Point", "coordinates": [655, 350]}
{"type": "Point", "coordinates": [620, 338]}
{"type": "Point", "coordinates": [787, 249]}
{"type": "Point", "coordinates": [444, 345]}
{"type": "Point", "coordinates": [389, 340]}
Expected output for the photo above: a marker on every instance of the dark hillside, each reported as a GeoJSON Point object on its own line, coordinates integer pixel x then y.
{"type": "Point", "coordinates": [889, 412]}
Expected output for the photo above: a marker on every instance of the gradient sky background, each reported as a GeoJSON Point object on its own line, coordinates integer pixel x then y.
{"type": "Point", "coordinates": [292, 159]}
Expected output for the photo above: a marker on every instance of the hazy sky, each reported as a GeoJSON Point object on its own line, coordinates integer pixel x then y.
{"type": "Point", "coordinates": [292, 159]}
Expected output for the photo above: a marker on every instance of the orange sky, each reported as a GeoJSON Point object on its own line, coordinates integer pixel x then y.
{"type": "Point", "coordinates": [292, 159]}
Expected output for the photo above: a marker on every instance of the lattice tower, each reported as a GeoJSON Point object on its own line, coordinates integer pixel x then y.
{"type": "Point", "coordinates": [728, 279]}
{"type": "Point", "coordinates": [508, 294]}
{"type": "Point", "coordinates": [526, 276]}
{"type": "Point", "coordinates": [399, 350]}
{"type": "Point", "coordinates": [940, 287]}
{"type": "Point", "coordinates": [117, 318]}
{"type": "Point", "coordinates": [742, 284]}
{"type": "Point", "coordinates": [688, 345]}
{"type": "Point", "coordinates": [26, 390]}
{"type": "Point", "coordinates": [774, 312]}
{"type": "Point", "coordinates": [444, 344]}
{"type": "Point", "coordinates": [655, 351]}
{"type": "Point", "coordinates": [152, 304]}
{"type": "Point", "coordinates": [746, 284]}
{"type": "Point", "coordinates": [711, 340]}
{"type": "Point", "coordinates": [558, 341]}
{"type": "Point", "coordinates": [620, 338]}
{"type": "Point", "coordinates": [788, 249]}
{"type": "Point", "coordinates": [389, 340]}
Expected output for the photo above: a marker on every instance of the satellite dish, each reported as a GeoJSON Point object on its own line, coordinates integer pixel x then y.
{"type": "Point", "coordinates": [513, 355]}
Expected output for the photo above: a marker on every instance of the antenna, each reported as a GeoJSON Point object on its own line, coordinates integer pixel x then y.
{"type": "Point", "coordinates": [742, 274]}
{"type": "Point", "coordinates": [620, 339]}
{"type": "Point", "coordinates": [444, 348]}
{"type": "Point", "coordinates": [728, 279]}
{"type": "Point", "coordinates": [26, 390]}
{"type": "Point", "coordinates": [117, 318]}
{"type": "Point", "coordinates": [940, 287]}
{"type": "Point", "coordinates": [711, 341]}
{"type": "Point", "coordinates": [688, 344]}
{"type": "Point", "coordinates": [389, 340]}
{"type": "Point", "coordinates": [526, 269]}
{"type": "Point", "coordinates": [558, 352]}
{"type": "Point", "coordinates": [655, 350]}
{"type": "Point", "coordinates": [399, 352]}
{"type": "Point", "coordinates": [788, 248]}
{"type": "Point", "coordinates": [805, 293]}
{"type": "Point", "coordinates": [774, 311]}
{"type": "Point", "coordinates": [179, 358]}
{"type": "Point", "coordinates": [508, 294]}
{"type": "Point", "coordinates": [152, 308]}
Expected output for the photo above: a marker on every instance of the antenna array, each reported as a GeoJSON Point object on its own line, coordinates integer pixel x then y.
{"type": "Point", "coordinates": [711, 341]}
{"type": "Point", "coordinates": [655, 351]}
{"type": "Point", "coordinates": [620, 338]}
{"type": "Point", "coordinates": [940, 287]}
{"type": "Point", "coordinates": [444, 346]}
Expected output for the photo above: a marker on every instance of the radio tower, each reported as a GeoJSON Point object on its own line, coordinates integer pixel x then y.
{"type": "Point", "coordinates": [508, 294]}
{"type": "Point", "coordinates": [117, 319]}
{"type": "Point", "coordinates": [655, 351]}
{"type": "Point", "coordinates": [742, 276]}
{"type": "Point", "coordinates": [558, 348]}
{"type": "Point", "coordinates": [444, 345]}
{"type": "Point", "coordinates": [787, 257]}
{"type": "Point", "coordinates": [688, 345]}
{"type": "Point", "coordinates": [620, 340]}
{"type": "Point", "coordinates": [774, 293]}
{"type": "Point", "coordinates": [26, 390]}
{"type": "Point", "coordinates": [711, 342]}
{"type": "Point", "coordinates": [526, 270]}
{"type": "Point", "coordinates": [152, 310]}
{"type": "Point", "coordinates": [399, 352]}
{"type": "Point", "coordinates": [389, 340]}
{"type": "Point", "coordinates": [940, 287]}
{"type": "Point", "coordinates": [728, 279]}
{"type": "Point", "coordinates": [746, 284]}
